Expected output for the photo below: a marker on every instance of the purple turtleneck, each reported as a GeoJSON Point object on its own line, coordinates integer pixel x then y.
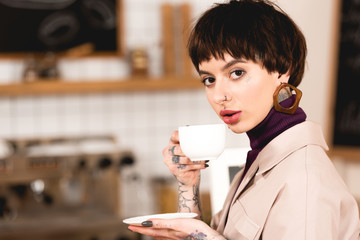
{"type": "Point", "coordinates": [274, 124]}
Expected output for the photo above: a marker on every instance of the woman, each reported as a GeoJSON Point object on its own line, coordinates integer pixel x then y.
{"type": "Point", "coordinates": [250, 56]}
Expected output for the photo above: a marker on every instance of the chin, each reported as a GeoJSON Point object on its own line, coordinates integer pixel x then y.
{"type": "Point", "coordinates": [236, 128]}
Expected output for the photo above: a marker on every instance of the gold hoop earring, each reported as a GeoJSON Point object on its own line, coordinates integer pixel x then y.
{"type": "Point", "coordinates": [291, 109]}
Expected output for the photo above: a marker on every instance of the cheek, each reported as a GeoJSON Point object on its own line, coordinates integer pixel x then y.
{"type": "Point", "coordinates": [259, 93]}
{"type": "Point", "coordinates": [266, 98]}
{"type": "Point", "coordinates": [246, 96]}
{"type": "Point", "coordinates": [256, 101]}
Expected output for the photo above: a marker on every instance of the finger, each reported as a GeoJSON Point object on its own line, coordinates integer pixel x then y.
{"type": "Point", "coordinates": [170, 161]}
{"type": "Point", "coordinates": [185, 167]}
{"type": "Point", "coordinates": [171, 224]}
{"type": "Point", "coordinates": [174, 137]}
{"type": "Point", "coordinates": [160, 224]}
{"type": "Point", "coordinates": [200, 162]}
{"type": "Point", "coordinates": [172, 150]}
{"type": "Point", "coordinates": [157, 233]}
{"type": "Point", "coordinates": [182, 228]}
{"type": "Point", "coordinates": [175, 150]}
{"type": "Point", "coordinates": [182, 160]}
{"type": "Point", "coordinates": [177, 162]}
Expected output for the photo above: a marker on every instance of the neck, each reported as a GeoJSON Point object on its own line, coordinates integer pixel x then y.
{"type": "Point", "coordinates": [274, 124]}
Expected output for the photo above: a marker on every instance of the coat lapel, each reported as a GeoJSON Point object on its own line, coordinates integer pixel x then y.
{"type": "Point", "coordinates": [235, 191]}
{"type": "Point", "coordinates": [227, 203]}
{"type": "Point", "coordinates": [246, 181]}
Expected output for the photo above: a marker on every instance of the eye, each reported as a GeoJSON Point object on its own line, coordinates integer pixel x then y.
{"type": "Point", "coordinates": [237, 74]}
{"type": "Point", "coordinates": [208, 81]}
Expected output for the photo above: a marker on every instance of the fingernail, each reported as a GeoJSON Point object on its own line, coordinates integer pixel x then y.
{"type": "Point", "coordinates": [147, 224]}
{"type": "Point", "coordinates": [207, 161]}
{"type": "Point", "coordinates": [206, 165]}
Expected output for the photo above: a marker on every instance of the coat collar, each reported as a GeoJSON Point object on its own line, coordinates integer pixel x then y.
{"type": "Point", "coordinates": [306, 133]}
{"type": "Point", "coordinates": [299, 136]}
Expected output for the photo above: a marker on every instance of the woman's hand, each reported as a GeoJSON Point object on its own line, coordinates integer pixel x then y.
{"type": "Point", "coordinates": [186, 171]}
{"type": "Point", "coordinates": [187, 174]}
{"type": "Point", "coordinates": [181, 228]}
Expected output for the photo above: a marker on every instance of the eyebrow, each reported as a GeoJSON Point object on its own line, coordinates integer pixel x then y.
{"type": "Point", "coordinates": [226, 66]}
{"type": "Point", "coordinates": [233, 62]}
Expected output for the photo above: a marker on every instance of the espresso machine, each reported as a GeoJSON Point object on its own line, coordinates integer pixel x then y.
{"type": "Point", "coordinates": [62, 188]}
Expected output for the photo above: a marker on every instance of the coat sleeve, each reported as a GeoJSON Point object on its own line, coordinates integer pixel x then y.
{"type": "Point", "coordinates": [314, 204]}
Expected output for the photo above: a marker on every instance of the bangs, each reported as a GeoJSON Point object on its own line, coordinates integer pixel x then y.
{"type": "Point", "coordinates": [220, 32]}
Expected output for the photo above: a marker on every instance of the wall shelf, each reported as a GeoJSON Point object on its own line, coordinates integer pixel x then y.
{"type": "Point", "coordinates": [351, 153]}
{"type": "Point", "coordinates": [58, 86]}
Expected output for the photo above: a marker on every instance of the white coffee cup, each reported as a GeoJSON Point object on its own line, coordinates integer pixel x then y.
{"type": "Point", "coordinates": [202, 142]}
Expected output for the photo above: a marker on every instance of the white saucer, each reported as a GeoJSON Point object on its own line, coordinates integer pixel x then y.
{"type": "Point", "coordinates": [138, 220]}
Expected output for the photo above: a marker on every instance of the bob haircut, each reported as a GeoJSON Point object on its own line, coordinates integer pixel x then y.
{"type": "Point", "coordinates": [256, 30]}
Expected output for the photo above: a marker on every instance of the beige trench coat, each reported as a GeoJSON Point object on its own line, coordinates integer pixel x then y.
{"type": "Point", "coordinates": [292, 191]}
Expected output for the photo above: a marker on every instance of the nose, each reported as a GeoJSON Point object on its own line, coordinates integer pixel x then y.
{"type": "Point", "coordinates": [222, 92]}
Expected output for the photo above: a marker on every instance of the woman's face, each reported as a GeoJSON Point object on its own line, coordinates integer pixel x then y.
{"type": "Point", "coordinates": [248, 88]}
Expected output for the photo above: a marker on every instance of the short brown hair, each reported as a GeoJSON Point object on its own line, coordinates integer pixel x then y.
{"type": "Point", "coordinates": [256, 30]}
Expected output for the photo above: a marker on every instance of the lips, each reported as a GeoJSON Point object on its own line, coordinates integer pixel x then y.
{"type": "Point", "coordinates": [230, 116]}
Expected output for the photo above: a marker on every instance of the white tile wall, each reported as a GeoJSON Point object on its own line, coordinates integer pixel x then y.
{"type": "Point", "coordinates": [142, 122]}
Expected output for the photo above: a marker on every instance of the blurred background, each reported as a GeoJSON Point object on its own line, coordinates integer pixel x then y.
{"type": "Point", "coordinates": [91, 91]}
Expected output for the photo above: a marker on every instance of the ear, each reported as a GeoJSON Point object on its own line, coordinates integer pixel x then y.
{"type": "Point", "coordinates": [284, 77]}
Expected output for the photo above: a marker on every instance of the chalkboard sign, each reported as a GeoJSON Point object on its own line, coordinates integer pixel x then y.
{"type": "Point", "coordinates": [57, 25]}
{"type": "Point", "coordinates": [347, 111]}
